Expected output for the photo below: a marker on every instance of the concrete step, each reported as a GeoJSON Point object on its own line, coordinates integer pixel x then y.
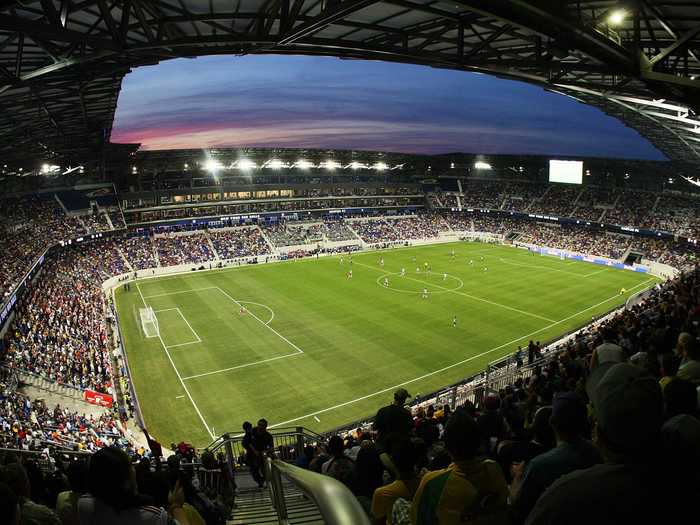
{"type": "Point", "coordinates": [254, 507]}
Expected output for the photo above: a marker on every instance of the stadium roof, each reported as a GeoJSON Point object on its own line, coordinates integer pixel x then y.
{"type": "Point", "coordinates": [62, 61]}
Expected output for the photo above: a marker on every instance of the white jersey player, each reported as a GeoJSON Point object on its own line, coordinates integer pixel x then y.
{"type": "Point", "coordinates": [454, 321]}
{"type": "Point", "coordinates": [386, 282]}
{"type": "Point", "coordinates": [350, 274]}
{"type": "Point", "coordinates": [403, 272]}
{"type": "Point", "coordinates": [425, 293]}
{"type": "Point", "coordinates": [444, 276]}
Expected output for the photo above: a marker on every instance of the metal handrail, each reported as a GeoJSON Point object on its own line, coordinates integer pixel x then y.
{"type": "Point", "coordinates": [287, 443]}
{"type": "Point", "coordinates": [335, 502]}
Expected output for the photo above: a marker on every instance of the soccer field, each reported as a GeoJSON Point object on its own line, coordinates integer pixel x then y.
{"type": "Point", "coordinates": [316, 349]}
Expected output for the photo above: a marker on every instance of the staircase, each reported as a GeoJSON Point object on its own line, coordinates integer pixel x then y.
{"type": "Point", "coordinates": [267, 240]}
{"type": "Point", "coordinates": [155, 254]}
{"type": "Point", "coordinates": [538, 199]}
{"type": "Point", "coordinates": [254, 507]}
{"type": "Point", "coordinates": [126, 261]}
{"type": "Point", "coordinates": [109, 219]}
{"type": "Point", "coordinates": [211, 245]}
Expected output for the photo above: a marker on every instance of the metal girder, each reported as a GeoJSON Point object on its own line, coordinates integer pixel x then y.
{"type": "Point", "coordinates": [327, 17]}
{"type": "Point", "coordinates": [679, 44]}
{"type": "Point", "coordinates": [89, 45]}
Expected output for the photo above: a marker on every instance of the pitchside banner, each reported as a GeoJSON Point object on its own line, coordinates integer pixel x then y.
{"type": "Point", "coordinates": [97, 398]}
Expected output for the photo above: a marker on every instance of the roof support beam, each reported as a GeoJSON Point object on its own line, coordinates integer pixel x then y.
{"type": "Point", "coordinates": [326, 18]}
{"type": "Point", "coordinates": [678, 45]}
{"type": "Point", "coordinates": [49, 32]}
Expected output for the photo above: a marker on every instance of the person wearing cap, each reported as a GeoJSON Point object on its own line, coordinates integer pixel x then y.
{"type": "Point", "coordinates": [627, 488]}
{"type": "Point", "coordinates": [569, 422]}
{"type": "Point", "coordinates": [393, 420]}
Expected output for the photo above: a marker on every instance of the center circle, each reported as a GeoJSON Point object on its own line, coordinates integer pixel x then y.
{"type": "Point", "coordinates": [433, 288]}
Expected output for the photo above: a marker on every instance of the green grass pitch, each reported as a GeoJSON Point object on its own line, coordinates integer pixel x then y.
{"type": "Point", "coordinates": [316, 349]}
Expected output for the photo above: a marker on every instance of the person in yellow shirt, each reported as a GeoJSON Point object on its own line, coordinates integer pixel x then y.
{"type": "Point", "coordinates": [404, 456]}
{"type": "Point", "coordinates": [469, 489]}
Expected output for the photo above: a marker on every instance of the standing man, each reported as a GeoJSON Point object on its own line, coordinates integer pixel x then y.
{"type": "Point", "coordinates": [391, 423]}
{"type": "Point", "coordinates": [252, 458]}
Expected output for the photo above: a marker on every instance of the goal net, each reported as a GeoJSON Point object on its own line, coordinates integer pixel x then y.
{"type": "Point", "coordinates": [149, 322]}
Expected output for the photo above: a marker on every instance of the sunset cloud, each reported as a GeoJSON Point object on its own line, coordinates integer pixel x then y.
{"type": "Point", "coordinates": [309, 102]}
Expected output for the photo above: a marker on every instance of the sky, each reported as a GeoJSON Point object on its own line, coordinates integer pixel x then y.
{"type": "Point", "coordinates": [328, 103]}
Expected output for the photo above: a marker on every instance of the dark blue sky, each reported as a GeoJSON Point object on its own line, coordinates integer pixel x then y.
{"type": "Point", "coordinates": [319, 102]}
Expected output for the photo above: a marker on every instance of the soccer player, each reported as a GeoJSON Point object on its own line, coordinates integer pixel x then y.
{"type": "Point", "coordinates": [471, 262]}
{"type": "Point", "coordinates": [481, 257]}
{"type": "Point", "coordinates": [485, 268]}
{"type": "Point", "coordinates": [413, 259]}
{"type": "Point", "coordinates": [417, 269]}
{"type": "Point", "coordinates": [242, 311]}
{"type": "Point", "coordinates": [425, 265]}
{"type": "Point", "coordinates": [454, 321]}
{"type": "Point", "coordinates": [386, 282]}
{"type": "Point", "coordinates": [425, 293]}
{"type": "Point", "coordinates": [403, 272]}
{"type": "Point", "coordinates": [452, 254]}
{"type": "Point", "coordinates": [381, 262]}
{"type": "Point", "coordinates": [622, 291]}
{"type": "Point", "coordinates": [341, 259]}
{"type": "Point", "coordinates": [350, 274]}
{"type": "Point", "coordinates": [444, 276]}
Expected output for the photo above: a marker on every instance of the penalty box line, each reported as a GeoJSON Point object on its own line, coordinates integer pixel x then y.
{"type": "Point", "coordinates": [177, 373]}
{"type": "Point", "coordinates": [198, 339]}
{"type": "Point", "coordinates": [453, 365]}
{"type": "Point", "coordinates": [298, 351]}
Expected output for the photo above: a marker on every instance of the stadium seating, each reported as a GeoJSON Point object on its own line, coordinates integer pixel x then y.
{"type": "Point", "coordinates": [60, 333]}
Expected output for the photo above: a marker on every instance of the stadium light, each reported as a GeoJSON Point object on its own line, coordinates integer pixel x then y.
{"type": "Point", "coordinates": [186, 165]}
{"type": "Point", "coordinates": [357, 165]}
{"type": "Point", "coordinates": [452, 165]}
{"type": "Point", "coordinates": [212, 165]}
{"type": "Point", "coordinates": [479, 165]}
{"type": "Point", "coordinates": [617, 17]}
{"type": "Point", "coordinates": [380, 166]}
{"type": "Point", "coordinates": [246, 164]}
{"type": "Point", "coordinates": [44, 168]}
{"type": "Point", "coordinates": [330, 165]}
{"type": "Point", "coordinates": [275, 164]}
{"type": "Point", "coordinates": [303, 164]}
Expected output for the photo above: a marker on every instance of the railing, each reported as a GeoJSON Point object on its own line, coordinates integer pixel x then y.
{"type": "Point", "coordinates": [288, 444]}
{"type": "Point", "coordinates": [335, 502]}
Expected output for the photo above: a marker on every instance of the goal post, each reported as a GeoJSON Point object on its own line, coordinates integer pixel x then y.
{"type": "Point", "coordinates": [149, 322]}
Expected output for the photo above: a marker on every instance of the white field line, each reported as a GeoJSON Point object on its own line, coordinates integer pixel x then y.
{"type": "Point", "coordinates": [272, 312]}
{"type": "Point", "coordinates": [299, 350]}
{"type": "Point", "coordinates": [163, 310]}
{"type": "Point", "coordinates": [595, 273]}
{"type": "Point", "coordinates": [196, 408]}
{"type": "Point", "coordinates": [434, 372]}
{"type": "Point", "coordinates": [199, 339]}
{"type": "Point", "coordinates": [184, 344]}
{"type": "Point", "coordinates": [474, 297]}
{"type": "Point", "coordinates": [246, 365]}
{"type": "Point", "coordinates": [181, 291]}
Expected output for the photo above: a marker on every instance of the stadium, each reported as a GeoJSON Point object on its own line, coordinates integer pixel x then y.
{"type": "Point", "coordinates": [261, 304]}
